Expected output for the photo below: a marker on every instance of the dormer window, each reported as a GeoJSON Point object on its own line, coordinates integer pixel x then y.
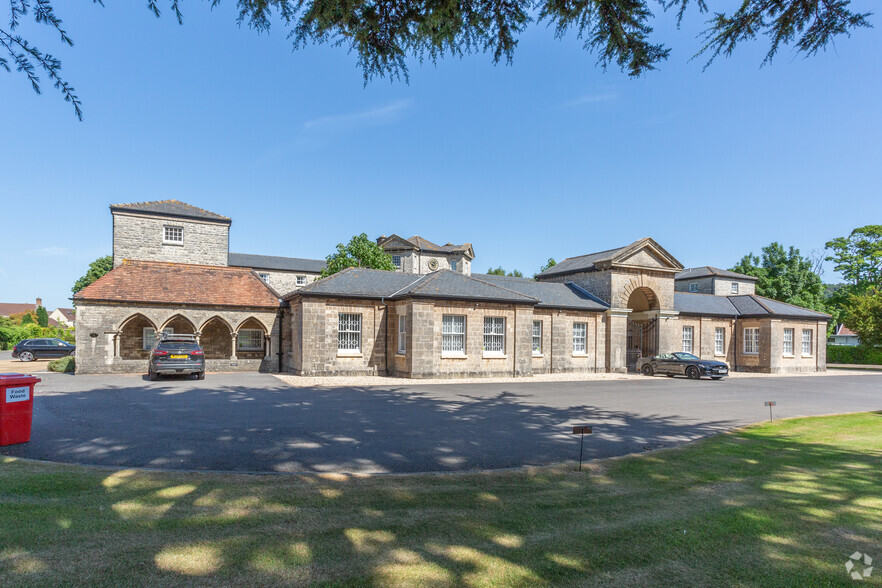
{"type": "Point", "coordinates": [734, 287]}
{"type": "Point", "coordinates": [693, 287]}
{"type": "Point", "coordinates": [453, 264]}
{"type": "Point", "coordinates": [173, 235]}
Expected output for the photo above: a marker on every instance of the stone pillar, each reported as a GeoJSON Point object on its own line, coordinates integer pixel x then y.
{"type": "Point", "coordinates": [422, 340]}
{"type": "Point", "coordinates": [670, 336]}
{"type": "Point", "coordinates": [776, 345]}
{"type": "Point", "coordinates": [617, 340]}
{"type": "Point", "coordinates": [523, 341]}
{"type": "Point", "coordinates": [234, 336]}
{"type": "Point", "coordinates": [199, 338]}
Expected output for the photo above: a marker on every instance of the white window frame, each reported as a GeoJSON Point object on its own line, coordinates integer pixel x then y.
{"type": "Point", "coordinates": [253, 346]}
{"type": "Point", "coordinates": [175, 231]}
{"type": "Point", "coordinates": [787, 345]}
{"type": "Point", "coordinates": [693, 286]}
{"type": "Point", "coordinates": [453, 335]}
{"type": "Point", "coordinates": [263, 276]}
{"type": "Point", "coordinates": [402, 334]}
{"type": "Point", "coordinates": [537, 338]}
{"type": "Point", "coordinates": [494, 336]}
{"type": "Point", "coordinates": [300, 280]}
{"type": "Point", "coordinates": [580, 338]}
{"type": "Point", "coordinates": [751, 341]}
{"type": "Point", "coordinates": [734, 288]}
{"type": "Point", "coordinates": [396, 261]}
{"type": "Point", "coordinates": [688, 335]}
{"type": "Point", "coordinates": [453, 265]}
{"type": "Point", "coordinates": [719, 340]}
{"type": "Point", "coordinates": [348, 333]}
{"type": "Point", "coordinates": [807, 335]}
{"type": "Point", "coordinates": [152, 336]}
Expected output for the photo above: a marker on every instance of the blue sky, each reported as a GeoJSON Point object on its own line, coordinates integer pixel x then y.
{"type": "Point", "coordinates": [549, 157]}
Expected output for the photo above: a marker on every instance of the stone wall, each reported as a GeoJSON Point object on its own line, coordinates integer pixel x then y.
{"type": "Point", "coordinates": [703, 337]}
{"type": "Point", "coordinates": [315, 328]}
{"type": "Point", "coordinates": [723, 287]}
{"type": "Point", "coordinates": [556, 354]}
{"type": "Point", "coordinates": [705, 285]}
{"type": "Point", "coordinates": [285, 282]}
{"type": "Point", "coordinates": [140, 237]}
{"type": "Point", "coordinates": [109, 336]}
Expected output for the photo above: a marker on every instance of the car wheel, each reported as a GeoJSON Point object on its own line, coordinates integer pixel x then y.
{"type": "Point", "coordinates": [26, 356]}
{"type": "Point", "coordinates": [200, 376]}
{"type": "Point", "coordinates": [647, 370]}
{"type": "Point", "coordinates": [72, 353]}
{"type": "Point", "coordinates": [692, 373]}
{"type": "Point", "coordinates": [151, 375]}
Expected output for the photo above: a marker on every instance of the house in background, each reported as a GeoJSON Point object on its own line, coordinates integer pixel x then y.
{"type": "Point", "coordinates": [420, 256]}
{"type": "Point", "coordinates": [63, 317]}
{"type": "Point", "coordinates": [10, 308]}
{"type": "Point", "coordinates": [842, 335]}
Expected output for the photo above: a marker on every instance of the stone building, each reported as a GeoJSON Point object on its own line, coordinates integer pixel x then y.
{"type": "Point", "coordinates": [431, 318]}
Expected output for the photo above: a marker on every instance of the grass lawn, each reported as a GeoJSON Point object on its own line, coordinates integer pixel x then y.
{"type": "Point", "coordinates": [780, 504]}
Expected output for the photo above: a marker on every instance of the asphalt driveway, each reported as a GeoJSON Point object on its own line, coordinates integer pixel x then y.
{"type": "Point", "coordinates": [254, 422]}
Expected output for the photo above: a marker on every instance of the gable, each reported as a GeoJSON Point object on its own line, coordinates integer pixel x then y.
{"type": "Point", "coordinates": [394, 242]}
{"type": "Point", "coordinates": [645, 258]}
{"type": "Point", "coordinates": [646, 254]}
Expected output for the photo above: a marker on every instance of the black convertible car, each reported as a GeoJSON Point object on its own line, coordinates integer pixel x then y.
{"type": "Point", "coordinates": [682, 364]}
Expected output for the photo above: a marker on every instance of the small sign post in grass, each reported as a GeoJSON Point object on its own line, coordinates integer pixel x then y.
{"type": "Point", "coordinates": [770, 404]}
{"type": "Point", "coordinates": [581, 430]}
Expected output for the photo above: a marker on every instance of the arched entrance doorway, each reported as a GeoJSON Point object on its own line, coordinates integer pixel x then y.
{"type": "Point", "coordinates": [642, 325]}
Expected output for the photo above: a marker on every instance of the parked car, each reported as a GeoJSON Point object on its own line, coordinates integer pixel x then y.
{"type": "Point", "coordinates": [31, 349]}
{"type": "Point", "coordinates": [682, 364]}
{"type": "Point", "coordinates": [176, 354]}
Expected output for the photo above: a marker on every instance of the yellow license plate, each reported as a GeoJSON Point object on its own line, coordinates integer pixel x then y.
{"type": "Point", "coordinates": [179, 356]}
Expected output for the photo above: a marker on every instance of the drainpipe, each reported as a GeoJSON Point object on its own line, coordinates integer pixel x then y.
{"type": "Point", "coordinates": [386, 334]}
{"type": "Point", "coordinates": [281, 351]}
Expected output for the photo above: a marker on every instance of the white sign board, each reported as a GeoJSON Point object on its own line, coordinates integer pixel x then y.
{"type": "Point", "coordinates": [19, 394]}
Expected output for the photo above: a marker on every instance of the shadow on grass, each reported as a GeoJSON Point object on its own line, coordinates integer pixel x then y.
{"type": "Point", "coordinates": [769, 505]}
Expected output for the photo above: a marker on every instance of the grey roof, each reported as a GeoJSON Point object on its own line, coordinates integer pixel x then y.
{"type": "Point", "coordinates": [421, 244]}
{"type": "Point", "coordinates": [272, 262]}
{"type": "Point", "coordinates": [706, 271]}
{"type": "Point", "coordinates": [744, 306]}
{"type": "Point", "coordinates": [370, 283]}
{"type": "Point", "coordinates": [171, 208]}
{"type": "Point", "coordinates": [549, 294]}
{"type": "Point", "coordinates": [704, 304]}
{"type": "Point", "coordinates": [582, 263]}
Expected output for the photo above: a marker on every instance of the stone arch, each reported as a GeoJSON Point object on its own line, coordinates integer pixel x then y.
{"type": "Point", "coordinates": [249, 352]}
{"type": "Point", "coordinates": [132, 336]}
{"type": "Point", "coordinates": [180, 324]}
{"type": "Point", "coordinates": [217, 338]}
{"type": "Point", "coordinates": [642, 299]}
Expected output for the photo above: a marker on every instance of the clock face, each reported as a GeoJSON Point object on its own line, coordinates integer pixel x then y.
{"type": "Point", "coordinates": [433, 264]}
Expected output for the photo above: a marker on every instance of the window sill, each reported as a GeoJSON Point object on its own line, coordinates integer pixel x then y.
{"type": "Point", "coordinates": [807, 355]}
{"type": "Point", "coordinates": [580, 355]}
{"type": "Point", "coordinates": [719, 355]}
{"type": "Point", "coordinates": [349, 354]}
{"type": "Point", "coordinates": [494, 355]}
{"type": "Point", "coordinates": [173, 243]}
{"type": "Point", "coordinates": [400, 354]}
{"type": "Point", "coordinates": [538, 355]}
{"type": "Point", "coordinates": [454, 356]}
{"type": "Point", "coordinates": [788, 355]}
{"type": "Point", "coordinates": [751, 353]}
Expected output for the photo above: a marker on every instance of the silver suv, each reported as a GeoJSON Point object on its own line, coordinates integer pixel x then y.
{"type": "Point", "coordinates": [176, 354]}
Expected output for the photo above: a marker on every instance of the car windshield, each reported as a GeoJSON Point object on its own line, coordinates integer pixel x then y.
{"type": "Point", "coordinates": [685, 356]}
{"type": "Point", "coordinates": [178, 345]}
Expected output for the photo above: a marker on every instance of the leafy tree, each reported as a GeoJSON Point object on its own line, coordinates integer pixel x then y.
{"type": "Point", "coordinates": [361, 251]}
{"type": "Point", "coordinates": [97, 268]}
{"type": "Point", "coordinates": [27, 319]}
{"type": "Point", "coordinates": [548, 264]}
{"type": "Point", "coordinates": [501, 272]}
{"type": "Point", "coordinates": [385, 34]}
{"type": "Point", "coordinates": [784, 275]}
{"type": "Point", "coordinates": [42, 317]}
{"type": "Point", "coordinates": [863, 315]}
{"type": "Point", "coordinates": [858, 257]}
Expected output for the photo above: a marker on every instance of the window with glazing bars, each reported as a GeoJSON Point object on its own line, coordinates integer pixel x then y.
{"type": "Point", "coordinates": [173, 234]}
{"type": "Point", "coordinates": [349, 332]}
{"type": "Point", "coordinates": [301, 280]}
{"type": "Point", "coordinates": [580, 337]}
{"type": "Point", "coordinates": [687, 339]}
{"type": "Point", "coordinates": [751, 341]}
{"type": "Point", "coordinates": [249, 340]}
{"type": "Point", "coordinates": [734, 287]}
{"type": "Point", "coordinates": [402, 334]}
{"type": "Point", "coordinates": [396, 261]}
{"type": "Point", "coordinates": [788, 342]}
{"type": "Point", "coordinates": [494, 334]}
{"type": "Point", "coordinates": [806, 341]}
{"type": "Point", "coordinates": [537, 337]}
{"type": "Point", "coordinates": [720, 340]}
{"type": "Point", "coordinates": [453, 333]}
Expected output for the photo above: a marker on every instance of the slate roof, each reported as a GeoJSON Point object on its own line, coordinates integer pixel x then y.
{"type": "Point", "coordinates": [8, 308]}
{"type": "Point", "coordinates": [358, 283]}
{"type": "Point", "coordinates": [170, 208]}
{"type": "Point", "coordinates": [549, 294]}
{"type": "Point", "coordinates": [709, 271]}
{"type": "Point", "coordinates": [588, 263]}
{"type": "Point", "coordinates": [271, 262]}
{"type": "Point", "coordinates": [419, 243]}
{"type": "Point", "coordinates": [744, 306]}
{"type": "Point", "coordinates": [450, 284]}
{"type": "Point", "coordinates": [180, 283]}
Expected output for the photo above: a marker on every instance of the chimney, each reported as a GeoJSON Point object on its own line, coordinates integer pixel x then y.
{"type": "Point", "coordinates": [39, 302]}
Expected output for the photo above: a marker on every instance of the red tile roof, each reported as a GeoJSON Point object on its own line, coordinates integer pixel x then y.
{"type": "Point", "coordinates": [180, 283]}
{"type": "Point", "coordinates": [8, 308]}
{"type": "Point", "coordinates": [844, 331]}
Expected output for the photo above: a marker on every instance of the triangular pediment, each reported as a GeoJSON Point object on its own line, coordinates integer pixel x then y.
{"type": "Point", "coordinates": [394, 242]}
{"type": "Point", "coordinates": [646, 254]}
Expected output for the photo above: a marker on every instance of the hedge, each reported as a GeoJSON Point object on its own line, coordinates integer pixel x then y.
{"type": "Point", "coordinates": [860, 354]}
{"type": "Point", "coordinates": [62, 364]}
